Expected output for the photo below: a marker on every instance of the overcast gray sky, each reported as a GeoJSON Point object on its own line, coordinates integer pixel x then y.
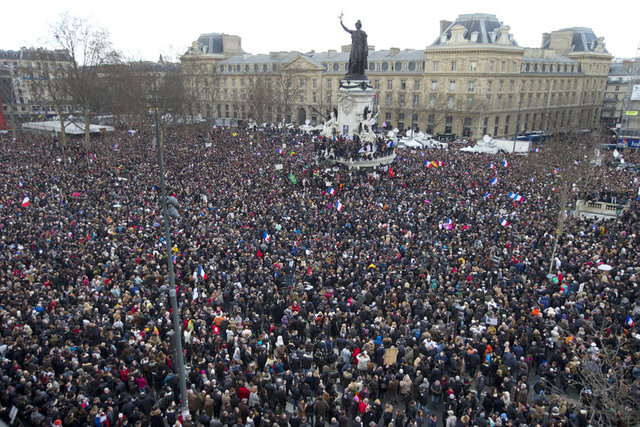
{"type": "Point", "coordinates": [144, 29]}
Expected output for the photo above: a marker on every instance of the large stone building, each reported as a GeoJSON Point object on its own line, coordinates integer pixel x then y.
{"type": "Point", "coordinates": [23, 90]}
{"type": "Point", "coordinates": [472, 80]}
{"type": "Point", "coordinates": [621, 109]}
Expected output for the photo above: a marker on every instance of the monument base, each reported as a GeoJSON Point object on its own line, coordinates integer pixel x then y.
{"type": "Point", "coordinates": [355, 99]}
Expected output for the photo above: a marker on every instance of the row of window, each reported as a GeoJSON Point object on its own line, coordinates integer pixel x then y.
{"type": "Point", "coordinates": [256, 68]}
{"type": "Point", "coordinates": [383, 66]}
{"type": "Point", "coordinates": [471, 85]}
{"type": "Point", "coordinates": [558, 68]}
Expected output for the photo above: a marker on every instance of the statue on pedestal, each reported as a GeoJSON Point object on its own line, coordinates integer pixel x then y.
{"type": "Point", "coordinates": [358, 54]}
{"type": "Point", "coordinates": [331, 126]}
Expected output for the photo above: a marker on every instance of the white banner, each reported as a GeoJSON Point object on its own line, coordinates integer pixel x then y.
{"type": "Point", "coordinates": [635, 94]}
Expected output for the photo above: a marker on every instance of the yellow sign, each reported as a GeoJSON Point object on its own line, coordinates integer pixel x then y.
{"type": "Point", "coordinates": [631, 113]}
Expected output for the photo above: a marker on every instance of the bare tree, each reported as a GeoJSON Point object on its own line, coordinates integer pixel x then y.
{"type": "Point", "coordinates": [260, 98]}
{"type": "Point", "coordinates": [287, 89]}
{"type": "Point", "coordinates": [400, 107]}
{"type": "Point", "coordinates": [437, 109]}
{"type": "Point", "coordinates": [476, 112]}
{"type": "Point", "coordinates": [128, 90]}
{"type": "Point", "coordinates": [45, 74]}
{"type": "Point", "coordinates": [603, 377]}
{"type": "Point", "coordinates": [572, 170]}
{"type": "Point", "coordinates": [212, 83]}
{"type": "Point", "coordinates": [88, 49]}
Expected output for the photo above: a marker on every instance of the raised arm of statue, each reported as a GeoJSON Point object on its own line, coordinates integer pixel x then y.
{"type": "Point", "coordinates": [345, 28]}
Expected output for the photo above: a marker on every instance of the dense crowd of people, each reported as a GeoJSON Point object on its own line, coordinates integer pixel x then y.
{"type": "Point", "coordinates": [341, 148]}
{"type": "Point", "coordinates": [309, 295]}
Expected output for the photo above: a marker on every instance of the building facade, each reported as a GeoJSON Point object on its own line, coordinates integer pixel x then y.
{"type": "Point", "coordinates": [25, 92]}
{"type": "Point", "coordinates": [472, 80]}
{"type": "Point", "coordinates": [621, 109]}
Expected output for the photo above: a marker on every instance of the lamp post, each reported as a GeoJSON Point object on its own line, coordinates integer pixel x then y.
{"type": "Point", "coordinates": [173, 298]}
{"type": "Point", "coordinates": [515, 135]}
{"type": "Point", "coordinates": [12, 100]}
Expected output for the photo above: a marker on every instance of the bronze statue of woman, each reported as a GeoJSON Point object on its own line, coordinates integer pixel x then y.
{"type": "Point", "coordinates": [359, 52]}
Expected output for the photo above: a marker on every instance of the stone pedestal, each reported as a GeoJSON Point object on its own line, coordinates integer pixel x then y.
{"type": "Point", "coordinates": [353, 97]}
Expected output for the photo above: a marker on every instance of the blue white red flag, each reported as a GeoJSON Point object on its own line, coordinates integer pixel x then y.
{"type": "Point", "coordinates": [202, 273]}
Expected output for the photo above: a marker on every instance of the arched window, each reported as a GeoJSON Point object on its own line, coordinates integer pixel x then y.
{"type": "Point", "coordinates": [412, 66]}
{"type": "Point", "coordinates": [385, 66]}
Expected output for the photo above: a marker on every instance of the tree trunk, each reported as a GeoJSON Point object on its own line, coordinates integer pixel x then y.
{"type": "Point", "coordinates": [63, 131]}
{"type": "Point", "coordinates": [87, 128]}
{"type": "Point", "coordinates": [561, 220]}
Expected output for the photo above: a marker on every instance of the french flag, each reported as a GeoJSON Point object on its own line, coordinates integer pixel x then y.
{"type": "Point", "coordinates": [25, 202]}
{"type": "Point", "coordinates": [536, 150]}
{"type": "Point", "coordinates": [494, 180]}
{"type": "Point", "coordinates": [447, 224]}
{"type": "Point", "coordinates": [532, 179]}
{"type": "Point", "coordinates": [512, 195]}
{"type": "Point", "coordinates": [266, 237]}
{"type": "Point", "coordinates": [339, 206]}
{"type": "Point", "coordinates": [20, 183]}
{"type": "Point", "coordinates": [505, 164]}
{"type": "Point", "coordinates": [630, 321]}
{"type": "Point", "coordinates": [492, 166]}
{"type": "Point", "coordinates": [504, 222]}
{"type": "Point", "coordinates": [519, 198]}
{"type": "Point", "coordinates": [201, 272]}
{"type": "Point", "coordinates": [487, 195]}
{"type": "Point", "coordinates": [331, 191]}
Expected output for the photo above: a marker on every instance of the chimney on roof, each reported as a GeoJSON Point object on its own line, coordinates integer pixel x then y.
{"type": "Point", "coordinates": [545, 38]}
{"type": "Point", "coordinates": [444, 24]}
{"type": "Point", "coordinates": [394, 51]}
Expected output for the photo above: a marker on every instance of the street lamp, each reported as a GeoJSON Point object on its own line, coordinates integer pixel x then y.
{"type": "Point", "coordinates": [173, 298]}
{"type": "Point", "coordinates": [515, 135]}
